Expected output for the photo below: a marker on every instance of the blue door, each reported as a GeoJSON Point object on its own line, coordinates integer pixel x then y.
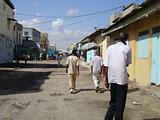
{"type": "Point", "coordinates": [155, 68]}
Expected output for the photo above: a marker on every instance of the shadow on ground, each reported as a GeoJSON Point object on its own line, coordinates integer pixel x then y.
{"type": "Point", "coordinates": [85, 90]}
{"type": "Point", "coordinates": [101, 90]}
{"type": "Point", "coordinates": [30, 65]}
{"type": "Point", "coordinates": [14, 82]}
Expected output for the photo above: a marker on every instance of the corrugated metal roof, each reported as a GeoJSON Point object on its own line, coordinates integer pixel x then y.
{"type": "Point", "coordinates": [88, 38]}
{"type": "Point", "coordinates": [144, 4]}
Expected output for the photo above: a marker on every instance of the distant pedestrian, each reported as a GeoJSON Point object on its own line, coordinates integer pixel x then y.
{"type": "Point", "coordinates": [72, 68]}
{"type": "Point", "coordinates": [59, 59]}
{"type": "Point", "coordinates": [117, 59]}
{"type": "Point", "coordinates": [96, 69]}
{"type": "Point", "coordinates": [40, 56]}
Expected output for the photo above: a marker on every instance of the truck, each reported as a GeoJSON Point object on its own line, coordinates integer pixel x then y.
{"type": "Point", "coordinates": [52, 54]}
{"type": "Point", "coordinates": [29, 50]}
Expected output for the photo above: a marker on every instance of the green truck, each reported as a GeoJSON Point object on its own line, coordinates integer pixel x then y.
{"type": "Point", "coordinates": [26, 51]}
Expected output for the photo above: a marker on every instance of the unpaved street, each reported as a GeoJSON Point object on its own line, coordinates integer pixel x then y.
{"type": "Point", "coordinates": [39, 91]}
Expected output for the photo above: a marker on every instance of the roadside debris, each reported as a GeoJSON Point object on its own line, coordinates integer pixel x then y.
{"type": "Point", "coordinates": [21, 105]}
{"type": "Point", "coordinates": [136, 103]}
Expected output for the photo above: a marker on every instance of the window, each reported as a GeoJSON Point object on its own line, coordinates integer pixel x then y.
{"type": "Point", "coordinates": [14, 28]}
{"type": "Point", "coordinates": [4, 7]}
{"type": "Point", "coordinates": [8, 24]}
{"type": "Point", "coordinates": [6, 43]}
{"type": "Point", "coordinates": [156, 29]}
{"type": "Point", "coordinates": [25, 33]}
{"type": "Point", "coordinates": [19, 37]}
{"type": "Point", "coordinates": [143, 44]}
{"type": "Point", "coordinates": [16, 37]}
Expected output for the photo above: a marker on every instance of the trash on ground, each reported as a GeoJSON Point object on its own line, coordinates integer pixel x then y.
{"type": "Point", "coordinates": [136, 103]}
{"type": "Point", "coordinates": [21, 105]}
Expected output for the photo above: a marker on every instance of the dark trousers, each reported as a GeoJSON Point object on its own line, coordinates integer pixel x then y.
{"type": "Point", "coordinates": [118, 95]}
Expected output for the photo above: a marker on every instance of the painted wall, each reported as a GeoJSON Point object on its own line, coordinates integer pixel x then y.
{"type": "Point", "coordinates": [140, 69]}
{"type": "Point", "coordinates": [103, 47]}
{"type": "Point", "coordinates": [90, 54]}
{"type": "Point", "coordinates": [102, 42]}
{"type": "Point", "coordinates": [6, 50]}
{"type": "Point", "coordinates": [8, 27]}
{"type": "Point", "coordinates": [7, 34]}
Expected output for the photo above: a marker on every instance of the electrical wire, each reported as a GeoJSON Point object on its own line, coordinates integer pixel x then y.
{"type": "Point", "coordinates": [79, 22]}
{"type": "Point", "coordinates": [82, 16]}
{"type": "Point", "coordinates": [70, 17]}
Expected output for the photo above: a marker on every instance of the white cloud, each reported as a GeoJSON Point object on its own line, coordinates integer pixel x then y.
{"type": "Point", "coordinates": [63, 37]}
{"type": "Point", "coordinates": [31, 23]}
{"type": "Point", "coordinates": [72, 12]}
{"type": "Point", "coordinates": [58, 34]}
{"type": "Point", "coordinates": [58, 24]}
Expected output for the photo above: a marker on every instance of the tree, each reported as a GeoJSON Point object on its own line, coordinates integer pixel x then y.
{"type": "Point", "coordinates": [44, 41]}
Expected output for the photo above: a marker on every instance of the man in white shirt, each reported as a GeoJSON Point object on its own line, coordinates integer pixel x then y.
{"type": "Point", "coordinates": [117, 59]}
{"type": "Point", "coordinates": [72, 68]}
{"type": "Point", "coordinates": [96, 70]}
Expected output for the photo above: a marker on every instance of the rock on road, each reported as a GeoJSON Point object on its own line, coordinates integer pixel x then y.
{"type": "Point", "coordinates": [39, 91]}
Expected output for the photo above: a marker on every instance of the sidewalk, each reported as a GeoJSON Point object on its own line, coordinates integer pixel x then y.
{"type": "Point", "coordinates": [131, 88]}
{"type": "Point", "coordinates": [152, 90]}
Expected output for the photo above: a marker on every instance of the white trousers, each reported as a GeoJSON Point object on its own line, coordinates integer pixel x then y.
{"type": "Point", "coordinates": [96, 79]}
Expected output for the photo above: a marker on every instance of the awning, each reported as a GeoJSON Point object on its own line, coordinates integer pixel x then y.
{"type": "Point", "coordinates": [88, 46]}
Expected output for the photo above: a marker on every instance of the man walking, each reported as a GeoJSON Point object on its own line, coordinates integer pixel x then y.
{"type": "Point", "coordinates": [72, 68]}
{"type": "Point", "coordinates": [96, 69]}
{"type": "Point", "coordinates": [117, 59]}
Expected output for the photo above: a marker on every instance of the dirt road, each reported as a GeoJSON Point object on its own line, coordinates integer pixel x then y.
{"type": "Point", "coordinates": [39, 91]}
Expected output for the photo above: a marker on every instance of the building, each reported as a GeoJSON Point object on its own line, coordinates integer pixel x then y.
{"type": "Point", "coordinates": [31, 34]}
{"type": "Point", "coordinates": [142, 23]}
{"type": "Point", "coordinates": [97, 38]}
{"type": "Point", "coordinates": [7, 22]}
{"type": "Point", "coordinates": [71, 47]}
{"type": "Point", "coordinates": [18, 33]}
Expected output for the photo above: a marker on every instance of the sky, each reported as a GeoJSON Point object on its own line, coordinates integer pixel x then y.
{"type": "Point", "coordinates": [58, 17]}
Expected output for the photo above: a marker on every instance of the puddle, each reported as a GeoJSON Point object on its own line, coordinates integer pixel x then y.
{"type": "Point", "coordinates": [56, 94]}
{"type": "Point", "coordinates": [40, 100]}
{"type": "Point", "coordinates": [7, 118]}
{"type": "Point", "coordinates": [69, 99]}
{"type": "Point", "coordinates": [3, 101]}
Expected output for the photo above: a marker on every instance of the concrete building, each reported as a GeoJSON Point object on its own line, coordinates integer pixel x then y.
{"type": "Point", "coordinates": [7, 31]}
{"type": "Point", "coordinates": [32, 34]}
{"type": "Point", "coordinates": [143, 27]}
{"type": "Point", "coordinates": [18, 34]}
